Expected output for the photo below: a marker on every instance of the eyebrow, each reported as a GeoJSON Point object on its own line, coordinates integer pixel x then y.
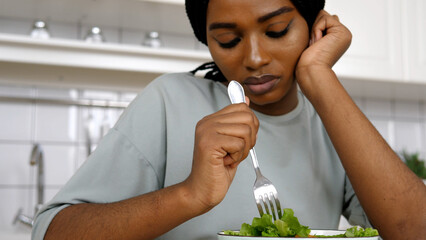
{"type": "Point", "coordinates": [222, 25]}
{"type": "Point", "coordinates": [261, 19]}
{"type": "Point", "coordinates": [280, 11]}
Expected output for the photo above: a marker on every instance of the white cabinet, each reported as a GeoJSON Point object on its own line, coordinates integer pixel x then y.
{"type": "Point", "coordinates": [388, 45]}
{"type": "Point", "coordinates": [389, 38]}
{"type": "Point", "coordinates": [376, 49]}
{"type": "Point", "coordinates": [77, 63]}
{"type": "Point", "coordinates": [121, 62]}
{"type": "Point", "coordinates": [414, 33]}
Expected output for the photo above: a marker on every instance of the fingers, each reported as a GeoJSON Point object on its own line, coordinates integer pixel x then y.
{"type": "Point", "coordinates": [228, 134]}
{"type": "Point", "coordinates": [236, 113]}
{"type": "Point", "coordinates": [323, 24]}
{"type": "Point", "coordinates": [329, 41]}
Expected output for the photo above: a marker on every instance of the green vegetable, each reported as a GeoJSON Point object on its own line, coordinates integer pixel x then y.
{"type": "Point", "coordinates": [354, 232]}
{"type": "Point", "coordinates": [289, 226]}
{"type": "Point", "coordinates": [360, 232]}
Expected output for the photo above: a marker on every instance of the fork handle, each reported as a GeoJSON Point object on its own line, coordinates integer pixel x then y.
{"type": "Point", "coordinates": [255, 162]}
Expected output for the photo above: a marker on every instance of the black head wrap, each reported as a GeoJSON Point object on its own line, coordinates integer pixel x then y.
{"type": "Point", "coordinates": [197, 11]}
{"type": "Point", "coordinates": [197, 14]}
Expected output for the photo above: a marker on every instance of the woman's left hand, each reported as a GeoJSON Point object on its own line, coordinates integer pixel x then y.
{"type": "Point", "coordinates": [329, 41]}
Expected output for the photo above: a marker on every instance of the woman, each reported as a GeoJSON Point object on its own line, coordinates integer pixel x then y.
{"type": "Point", "coordinates": [148, 178]}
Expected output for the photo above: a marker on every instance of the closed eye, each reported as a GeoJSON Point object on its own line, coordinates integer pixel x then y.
{"type": "Point", "coordinates": [279, 34]}
{"type": "Point", "coordinates": [231, 43]}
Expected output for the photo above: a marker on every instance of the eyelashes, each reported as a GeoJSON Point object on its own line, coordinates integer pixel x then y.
{"type": "Point", "coordinates": [270, 34]}
{"type": "Point", "coordinates": [277, 34]}
{"type": "Point", "coordinates": [231, 43]}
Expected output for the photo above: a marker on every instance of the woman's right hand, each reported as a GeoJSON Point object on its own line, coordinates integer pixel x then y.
{"type": "Point", "coordinates": [222, 140]}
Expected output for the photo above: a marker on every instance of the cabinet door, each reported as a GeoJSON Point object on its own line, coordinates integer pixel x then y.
{"type": "Point", "coordinates": [414, 20]}
{"type": "Point", "coordinates": [375, 52]}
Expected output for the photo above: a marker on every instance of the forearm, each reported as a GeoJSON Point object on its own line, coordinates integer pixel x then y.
{"type": "Point", "coordinates": [142, 217]}
{"type": "Point", "coordinates": [393, 197]}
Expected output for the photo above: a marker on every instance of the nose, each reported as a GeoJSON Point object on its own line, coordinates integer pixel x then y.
{"type": "Point", "coordinates": [256, 55]}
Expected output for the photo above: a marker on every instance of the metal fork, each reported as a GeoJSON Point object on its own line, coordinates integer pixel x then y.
{"type": "Point", "coordinates": [265, 193]}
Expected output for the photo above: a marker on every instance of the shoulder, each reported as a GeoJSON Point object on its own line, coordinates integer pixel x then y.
{"type": "Point", "coordinates": [181, 88]}
{"type": "Point", "coordinates": [186, 86]}
{"type": "Point", "coordinates": [182, 81]}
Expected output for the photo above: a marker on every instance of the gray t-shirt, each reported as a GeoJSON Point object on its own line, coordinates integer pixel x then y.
{"type": "Point", "coordinates": [151, 147]}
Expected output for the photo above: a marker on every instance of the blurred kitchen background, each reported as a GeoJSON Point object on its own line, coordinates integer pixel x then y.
{"type": "Point", "coordinates": [69, 68]}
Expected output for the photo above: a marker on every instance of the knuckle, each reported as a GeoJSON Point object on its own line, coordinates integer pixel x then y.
{"type": "Point", "coordinates": [247, 130]}
{"type": "Point", "coordinates": [241, 107]}
{"type": "Point", "coordinates": [199, 127]}
{"type": "Point", "coordinates": [241, 143]}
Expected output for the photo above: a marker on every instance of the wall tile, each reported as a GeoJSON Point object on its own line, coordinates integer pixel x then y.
{"type": "Point", "coordinates": [15, 168]}
{"type": "Point", "coordinates": [92, 119]}
{"type": "Point", "coordinates": [15, 121]}
{"type": "Point", "coordinates": [360, 103]}
{"type": "Point", "coordinates": [16, 118]}
{"type": "Point", "coordinates": [407, 109]}
{"type": "Point", "coordinates": [59, 163]}
{"type": "Point", "coordinates": [56, 123]}
{"type": "Point", "coordinates": [56, 93]}
{"type": "Point", "coordinates": [423, 142]}
{"type": "Point", "coordinates": [12, 200]}
{"type": "Point", "coordinates": [99, 95]}
{"type": "Point", "coordinates": [50, 192]}
{"type": "Point", "coordinates": [384, 128]}
{"type": "Point", "coordinates": [16, 91]}
{"type": "Point", "coordinates": [98, 120]}
{"type": "Point", "coordinates": [378, 108]}
{"type": "Point", "coordinates": [81, 156]}
{"type": "Point", "coordinates": [407, 136]}
{"type": "Point", "coordinates": [128, 96]}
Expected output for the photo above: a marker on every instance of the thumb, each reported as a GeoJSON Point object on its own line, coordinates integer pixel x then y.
{"type": "Point", "coordinates": [247, 100]}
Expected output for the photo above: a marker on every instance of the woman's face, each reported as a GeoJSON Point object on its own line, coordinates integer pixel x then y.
{"type": "Point", "coordinates": [258, 43]}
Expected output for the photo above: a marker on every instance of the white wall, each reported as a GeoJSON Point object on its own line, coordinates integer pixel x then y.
{"type": "Point", "coordinates": [59, 129]}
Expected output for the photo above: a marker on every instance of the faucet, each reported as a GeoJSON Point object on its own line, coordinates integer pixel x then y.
{"type": "Point", "coordinates": [35, 159]}
{"type": "Point", "coordinates": [28, 221]}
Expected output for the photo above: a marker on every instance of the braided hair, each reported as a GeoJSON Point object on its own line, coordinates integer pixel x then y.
{"type": "Point", "coordinates": [196, 11]}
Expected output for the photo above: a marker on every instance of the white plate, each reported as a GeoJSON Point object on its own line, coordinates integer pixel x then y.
{"type": "Point", "coordinates": [221, 236]}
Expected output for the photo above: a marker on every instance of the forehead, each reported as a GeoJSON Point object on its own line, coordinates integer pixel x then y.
{"type": "Point", "coordinates": [241, 9]}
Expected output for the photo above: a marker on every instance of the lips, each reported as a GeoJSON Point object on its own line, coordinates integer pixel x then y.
{"type": "Point", "coordinates": [262, 84]}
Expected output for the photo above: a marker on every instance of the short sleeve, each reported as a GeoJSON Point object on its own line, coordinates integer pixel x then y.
{"type": "Point", "coordinates": [117, 170]}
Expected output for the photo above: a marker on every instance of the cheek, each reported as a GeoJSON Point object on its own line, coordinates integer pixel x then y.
{"type": "Point", "coordinates": [288, 54]}
{"type": "Point", "coordinates": [227, 61]}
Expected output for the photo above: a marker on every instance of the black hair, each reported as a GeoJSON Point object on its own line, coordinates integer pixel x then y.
{"type": "Point", "coordinates": [196, 11]}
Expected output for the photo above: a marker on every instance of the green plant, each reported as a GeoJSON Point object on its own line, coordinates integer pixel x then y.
{"type": "Point", "coordinates": [415, 164]}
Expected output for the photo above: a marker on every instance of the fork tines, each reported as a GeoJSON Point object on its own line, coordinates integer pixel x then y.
{"type": "Point", "coordinates": [271, 205]}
